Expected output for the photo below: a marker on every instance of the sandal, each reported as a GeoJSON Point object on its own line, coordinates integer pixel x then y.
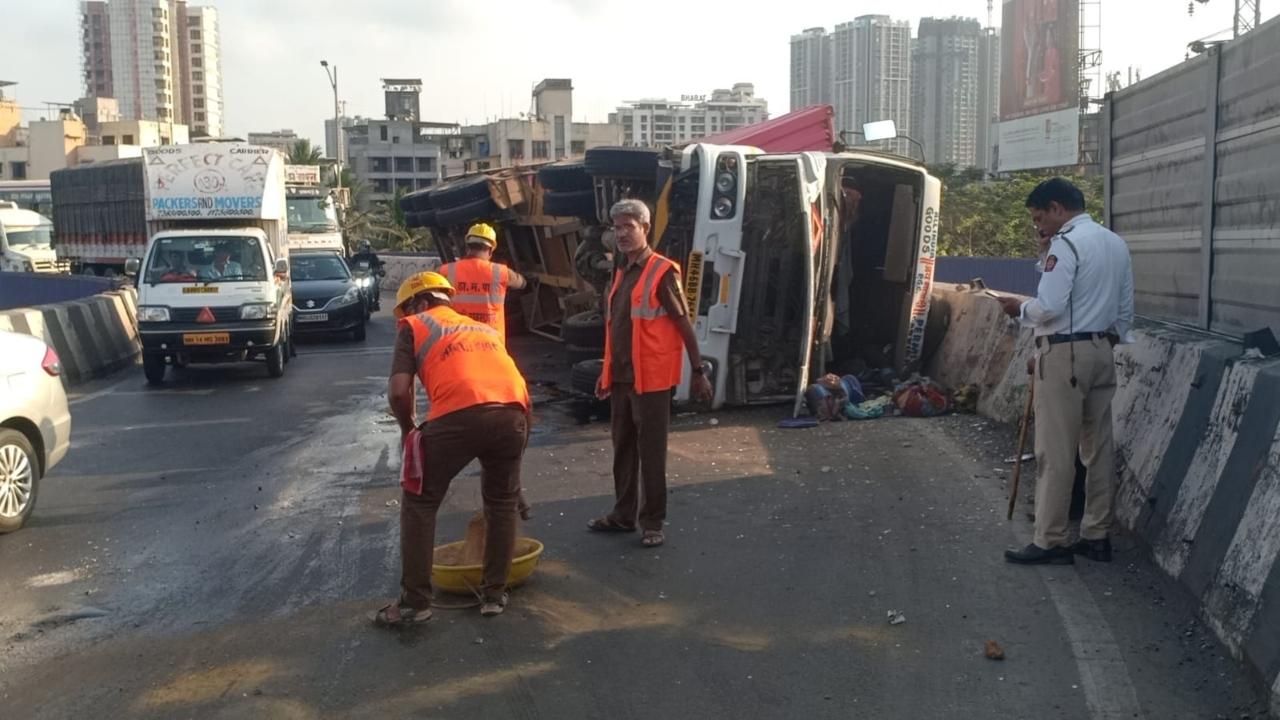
{"type": "Point", "coordinates": [609, 523]}
{"type": "Point", "coordinates": [652, 538]}
{"type": "Point", "coordinates": [394, 614]}
{"type": "Point", "coordinates": [490, 608]}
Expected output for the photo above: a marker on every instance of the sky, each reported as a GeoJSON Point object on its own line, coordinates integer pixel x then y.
{"type": "Point", "coordinates": [480, 60]}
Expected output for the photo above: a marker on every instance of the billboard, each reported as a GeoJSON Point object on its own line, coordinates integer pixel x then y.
{"type": "Point", "coordinates": [1039, 57]}
{"type": "Point", "coordinates": [1039, 141]}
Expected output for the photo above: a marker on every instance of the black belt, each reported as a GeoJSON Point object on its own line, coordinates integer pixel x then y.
{"type": "Point", "coordinates": [1059, 338]}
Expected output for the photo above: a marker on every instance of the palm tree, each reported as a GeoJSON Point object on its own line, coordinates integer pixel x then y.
{"type": "Point", "coordinates": [304, 153]}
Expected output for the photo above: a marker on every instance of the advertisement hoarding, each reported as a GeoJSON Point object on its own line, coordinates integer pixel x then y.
{"type": "Point", "coordinates": [1040, 141]}
{"type": "Point", "coordinates": [1038, 62]}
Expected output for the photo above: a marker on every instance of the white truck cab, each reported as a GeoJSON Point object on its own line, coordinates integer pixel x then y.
{"type": "Point", "coordinates": [312, 213]}
{"type": "Point", "coordinates": [26, 241]}
{"type": "Point", "coordinates": [213, 285]}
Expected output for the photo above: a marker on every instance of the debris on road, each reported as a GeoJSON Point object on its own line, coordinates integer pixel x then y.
{"type": "Point", "coordinates": [1026, 457]}
{"type": "Point", "coordinates": [896, 617]}
{"type": "Point", "coordinates": [993, 651]}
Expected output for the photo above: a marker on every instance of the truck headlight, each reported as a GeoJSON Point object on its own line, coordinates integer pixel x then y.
{"type": "Point", "coordinates": [257, 311]}
{"type": "Point", "coordinates": [27, 266]}
{"type": "Point", "coordinates": [350, 297]}
{"type": "Point", "coordinates": [153, 313]}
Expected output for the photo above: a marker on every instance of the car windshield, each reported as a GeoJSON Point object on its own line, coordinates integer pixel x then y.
{"type": "Point", "coordinates": [311, 214]}
{"type": "Point", "coordinates": [317, 267]}
{"type": "Point", "coordinates": [205, 259]}
{"type": "Point", "coordinates": [40, 235]}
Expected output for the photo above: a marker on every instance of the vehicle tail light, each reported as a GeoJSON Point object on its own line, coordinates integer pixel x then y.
{"type": "Point", "coordinates": [51, 364]}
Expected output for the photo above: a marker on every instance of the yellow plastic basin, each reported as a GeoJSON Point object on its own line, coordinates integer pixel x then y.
{"type": "Point", "coordinates": [451, 577]}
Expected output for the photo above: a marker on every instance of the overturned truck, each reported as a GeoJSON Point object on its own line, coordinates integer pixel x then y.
{"type": "Point", "coordinates": [795, 264]}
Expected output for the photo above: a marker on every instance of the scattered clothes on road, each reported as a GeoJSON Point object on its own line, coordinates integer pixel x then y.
{"type": "Point", "coordinates": [827, 397]}
{"type": "Point", "coordinates": [921, 397]}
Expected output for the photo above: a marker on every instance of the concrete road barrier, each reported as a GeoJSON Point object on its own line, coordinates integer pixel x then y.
{"type": "Point", "coordinates": [399, 267]}
{"type": "Point", "coordinates": [93, 336]}
{"type": "Point", "coordinates": [1197, 429]}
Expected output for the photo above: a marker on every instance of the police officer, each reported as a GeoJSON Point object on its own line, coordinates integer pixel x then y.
{"type": "Point", "coordinates": [1082, 309]}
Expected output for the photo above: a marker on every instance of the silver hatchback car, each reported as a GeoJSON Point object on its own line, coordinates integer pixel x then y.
{"type": "Point", "coordinates": [35, 424]}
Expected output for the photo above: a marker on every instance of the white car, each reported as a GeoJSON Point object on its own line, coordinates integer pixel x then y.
{"type": "Point", "coordinates": [35, 424]}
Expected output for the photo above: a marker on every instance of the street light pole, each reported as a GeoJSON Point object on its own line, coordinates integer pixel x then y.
{"type": "Point", "coordinates": [337, 123]}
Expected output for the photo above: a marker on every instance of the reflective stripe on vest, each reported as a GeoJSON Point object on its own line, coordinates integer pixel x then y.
{"type": "Point", "coordinates": [469, 297]}
{"type": "Point", "coordinates": [437, 332]}
{"type": "Point", "coordinates": [463, 363]}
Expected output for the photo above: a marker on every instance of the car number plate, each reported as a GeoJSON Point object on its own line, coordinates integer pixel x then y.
{"type": "Point", "coordinates": [313, 317]}
{"type": "Point", "coordinates": [206, 338]}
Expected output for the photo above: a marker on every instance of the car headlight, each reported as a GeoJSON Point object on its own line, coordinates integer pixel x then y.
{"type": "Point", "coordinates": [153, 313]}
{"type": "Point", "coordinates": [350, 297]}
{"type": "Point", "coordinates": [257, 311]}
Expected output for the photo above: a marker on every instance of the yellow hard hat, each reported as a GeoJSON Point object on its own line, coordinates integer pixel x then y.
{"type": "Point", "coordinates": [485, 232]}
{"type": "Point", "coordinates": [417, 284]}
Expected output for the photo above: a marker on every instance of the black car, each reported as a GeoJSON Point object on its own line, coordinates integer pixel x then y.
{"type": "Point", "coordinates": [326, 297]}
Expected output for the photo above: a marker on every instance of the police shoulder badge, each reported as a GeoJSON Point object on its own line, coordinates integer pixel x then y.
{"type": "Point", "coordinates": [1050, 262]}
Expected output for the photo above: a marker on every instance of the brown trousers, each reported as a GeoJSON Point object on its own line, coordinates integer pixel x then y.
{"type": "Point", "coordinates": [640, 425]}
{"type": "Point", "coordinates": [1070, 418]}
{"type": "Point", "coordinates": [497, 435]}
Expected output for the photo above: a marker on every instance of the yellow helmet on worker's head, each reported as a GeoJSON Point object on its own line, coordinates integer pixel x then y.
{"type": "Point", "coordinates": [418, 284]}
{"type": "Point", "coordinates": [483, 234]}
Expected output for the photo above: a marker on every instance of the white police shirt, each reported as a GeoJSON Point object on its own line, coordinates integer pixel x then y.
{"type": "Point", "coordinates": [1096, 279]}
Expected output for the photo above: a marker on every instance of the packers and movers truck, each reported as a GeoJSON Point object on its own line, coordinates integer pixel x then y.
{"type": "Point", "coordinates": [312, 211]}
{"type": "Point", "coordinates": [213, 279]}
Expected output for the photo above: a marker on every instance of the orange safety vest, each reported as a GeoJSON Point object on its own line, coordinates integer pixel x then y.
{"type": "Point", "coordinates": [656, 344]}
{"type": "Point", "coordinates": [480, 290]}
{"type": "Point", "coordinates": [463, 363]}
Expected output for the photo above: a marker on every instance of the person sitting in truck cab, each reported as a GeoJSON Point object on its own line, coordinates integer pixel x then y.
{"type": "Point", "coordinates": [223, 266]}
{"type": "Point", "coordinates": [172, 267]}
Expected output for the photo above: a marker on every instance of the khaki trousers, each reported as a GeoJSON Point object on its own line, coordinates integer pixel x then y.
{"type": "Point", "coordinates": [640, 425]}
{"type": "Point", "coordinates": [1068, 418]}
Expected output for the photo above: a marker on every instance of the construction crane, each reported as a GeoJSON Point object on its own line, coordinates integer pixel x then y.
{"type": "Point", "coordinates": [1248, 15]}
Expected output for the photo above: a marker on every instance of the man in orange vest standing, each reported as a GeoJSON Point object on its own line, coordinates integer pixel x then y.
{"type": "Point", "coordinates": [478, 408]}
{"type": "Point", "coordinates": [482, 284]}
{"type": "Point", "coordinates": [648, 325]}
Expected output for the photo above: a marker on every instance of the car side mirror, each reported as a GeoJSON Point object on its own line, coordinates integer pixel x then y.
{"type": "Point", "coordinates": [282, 267]}
{"type": "Point", "coordinates": [131, 267]}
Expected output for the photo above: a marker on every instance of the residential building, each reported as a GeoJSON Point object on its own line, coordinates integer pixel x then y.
{"type": "Point", "coordinates": [810, 68]}
{"type": "Point", "coordinates": [96, 110]}
{"type": "Point", "coordinates": [160, 60]}
{"type": "Point", "coordinates": [331, 135]}
{"type": "Point", "coordinates": [871, 75]}
{"type": "Point", "coordinates": [548, 133]}
{"type": "Point", "coordinates": [143, 133]}
{"type": "Point", "coordinates": [394, 153]}
{"type": "Point", "coordinates": [659, 122]}
{"type": "Point", "coordinates": [282, 140]}
{"type": "Point", "coordinates": [946, 88]}
{"type": "Point", "coordinates": [988, 97]}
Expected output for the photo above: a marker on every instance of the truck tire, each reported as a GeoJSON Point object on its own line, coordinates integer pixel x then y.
{"type": "Point", "coordinates": [275, 360]}
{"type": "Point", "coordinates": [584, 376]}
{"type": "Point", "coordinates": [623, 162]}
{"type": "Point", "coordinates": [565, 177]}
{"type": "Point", "coordinates": [475, 210]}
{"type": "Point", "coordinates": [460, 192]}
{"type": "Point", "coordinates": [585, 329]}
{"type": "Point", "coordinates": [577, 353]}
{"type": "Point", "coordinates": [18, 461]}
{"type": "Point", "coordinates": [570, 203]}
{"type": "Point", "coordinates": [153, 368]}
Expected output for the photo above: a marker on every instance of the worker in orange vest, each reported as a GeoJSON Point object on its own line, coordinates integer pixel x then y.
{"type": "Point", "coordinates": [648, 325]}
{"type": "Point", "coordinates": [482, 284]}
{"type": "Point", "coordinates": [478, 408]}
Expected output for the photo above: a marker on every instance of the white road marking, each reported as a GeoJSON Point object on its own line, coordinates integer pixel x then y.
{"type": "Point", "coordinates": [201, 393]}
{"type": "Point", "coordinates": [361, 351]}
{"type": "Point", "coordinates": [61, 577]}
{"type": "Point", "coordinates": [159, 425]}
{"type": "Point", "coordinates": [100, 393]}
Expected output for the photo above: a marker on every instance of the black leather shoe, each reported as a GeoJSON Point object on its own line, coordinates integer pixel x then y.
{"type": "Point", "coordinates": [1096, 550]}
{"type": "Point", "coordinates": [1033, 554]}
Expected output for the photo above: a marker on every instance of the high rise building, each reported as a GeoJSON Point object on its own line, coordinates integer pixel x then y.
{"type": "Point", "coordinates": [160, 60]}
{"type": "Point", "coordinates": [655, 122]}
{"type": "Point", "coordinates": [988, 97]}
{"type": "Point", "coordinates": [871, 75]}
{"type": "Point", "coordinates": [810, 68]}
{"type": "Point", "coordinates": [946, 88]}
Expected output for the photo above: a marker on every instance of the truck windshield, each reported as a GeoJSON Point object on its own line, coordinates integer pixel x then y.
{"type": "Point", "coordinates": [311, 214]}
{"type": "Point", "coordinates": [40, 235]}
{"type": "Point", "coordinates": [205, 259]}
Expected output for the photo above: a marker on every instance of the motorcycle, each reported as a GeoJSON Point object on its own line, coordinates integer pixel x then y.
{"type": "Point", "coordinates": [370, 281]}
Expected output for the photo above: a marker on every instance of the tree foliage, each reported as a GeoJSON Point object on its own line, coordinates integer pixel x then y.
{"type": "Point", "coordinates": [304, 153]}
{"type": "Point", "coordinates": [988, 218]}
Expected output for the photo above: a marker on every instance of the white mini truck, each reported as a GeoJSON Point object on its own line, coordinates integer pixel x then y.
{"type": "Point", "coordinates": [213, 285]}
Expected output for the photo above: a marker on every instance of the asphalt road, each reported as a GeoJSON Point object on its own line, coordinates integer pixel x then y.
{"type": "Point", "coordinates": [212, 549]}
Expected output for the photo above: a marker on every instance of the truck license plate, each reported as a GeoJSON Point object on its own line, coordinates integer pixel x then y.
{"type": "Point", "coordinates": [313, 317]}
{"type": "Point", "coordinates": [206, 338]}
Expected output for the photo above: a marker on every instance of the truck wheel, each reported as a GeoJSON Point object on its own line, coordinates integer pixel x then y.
{"type": "Point", "coordinates": [576, 353]}
{"type": "Point", "coordinates": [585, 375]}
{"type": "Point", "coordinates": [584, 329]}
{"type": "Point", "coordinates": [153, 368]}
{"type": "Point", "coordinates": [19, 476]}
{"type": "Point", "coordinates": [564, 176]}
{"type": "Point", "coordinates": [275, 360]}
{"type": "Point", "coordinates": [472, 211]}
{"type": "Point", "coordinates": [459, 192]}
{"type": "Point", "coordinates": [623, 162]}
{"type": "Point", "coordinates": [570, 203]}
{"type": "Point", "coordinates": [359, 333]}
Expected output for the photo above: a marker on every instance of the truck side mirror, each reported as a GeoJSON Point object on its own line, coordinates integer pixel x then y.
{"type": "Point", "coordinates": [131, 267]}
{"type": "Point", "coordinates": [282, 267]}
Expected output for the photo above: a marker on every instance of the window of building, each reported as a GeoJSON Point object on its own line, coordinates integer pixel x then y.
{"type": "Point", "coordinates": [404, 164]}
{"type": "Point", "coordinates": [197, 62]}
{"type": "Point", "coordinates": [195, 49]}
{"type": "Point", "coordinates": [405, 184]}
{"type": "Point", "coordinates": [195, 34]}
{"type": "Point", "coordinates": [382, 133]}
{"type": "Point", "coordinates": [540, 149]}
{"type": "Point", "coordinates": [515, 148]}
{"type": "Point", "coordinates": [578, 147]}
{"type": "Point", "coordinates": [197, 89]}
{"type": "Point", "coordinates": [199, 117]}
{"type": "Point", "coordinates": [198, 103]}
{"type": "Point", "coordinates": [17, 171]}
{"type": "Point", "coordinates": [482, 165]}
{"type": "Point", "coordinates": [426, 164]}
{"type": "Point", "coordinates": [108, 139]}
{"type": "Point", "coordinates": [382, 186]}
{"type": "Point", "coordinates": [424, 183]}
{"type": "Point", "coordinates": [126, 139]}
